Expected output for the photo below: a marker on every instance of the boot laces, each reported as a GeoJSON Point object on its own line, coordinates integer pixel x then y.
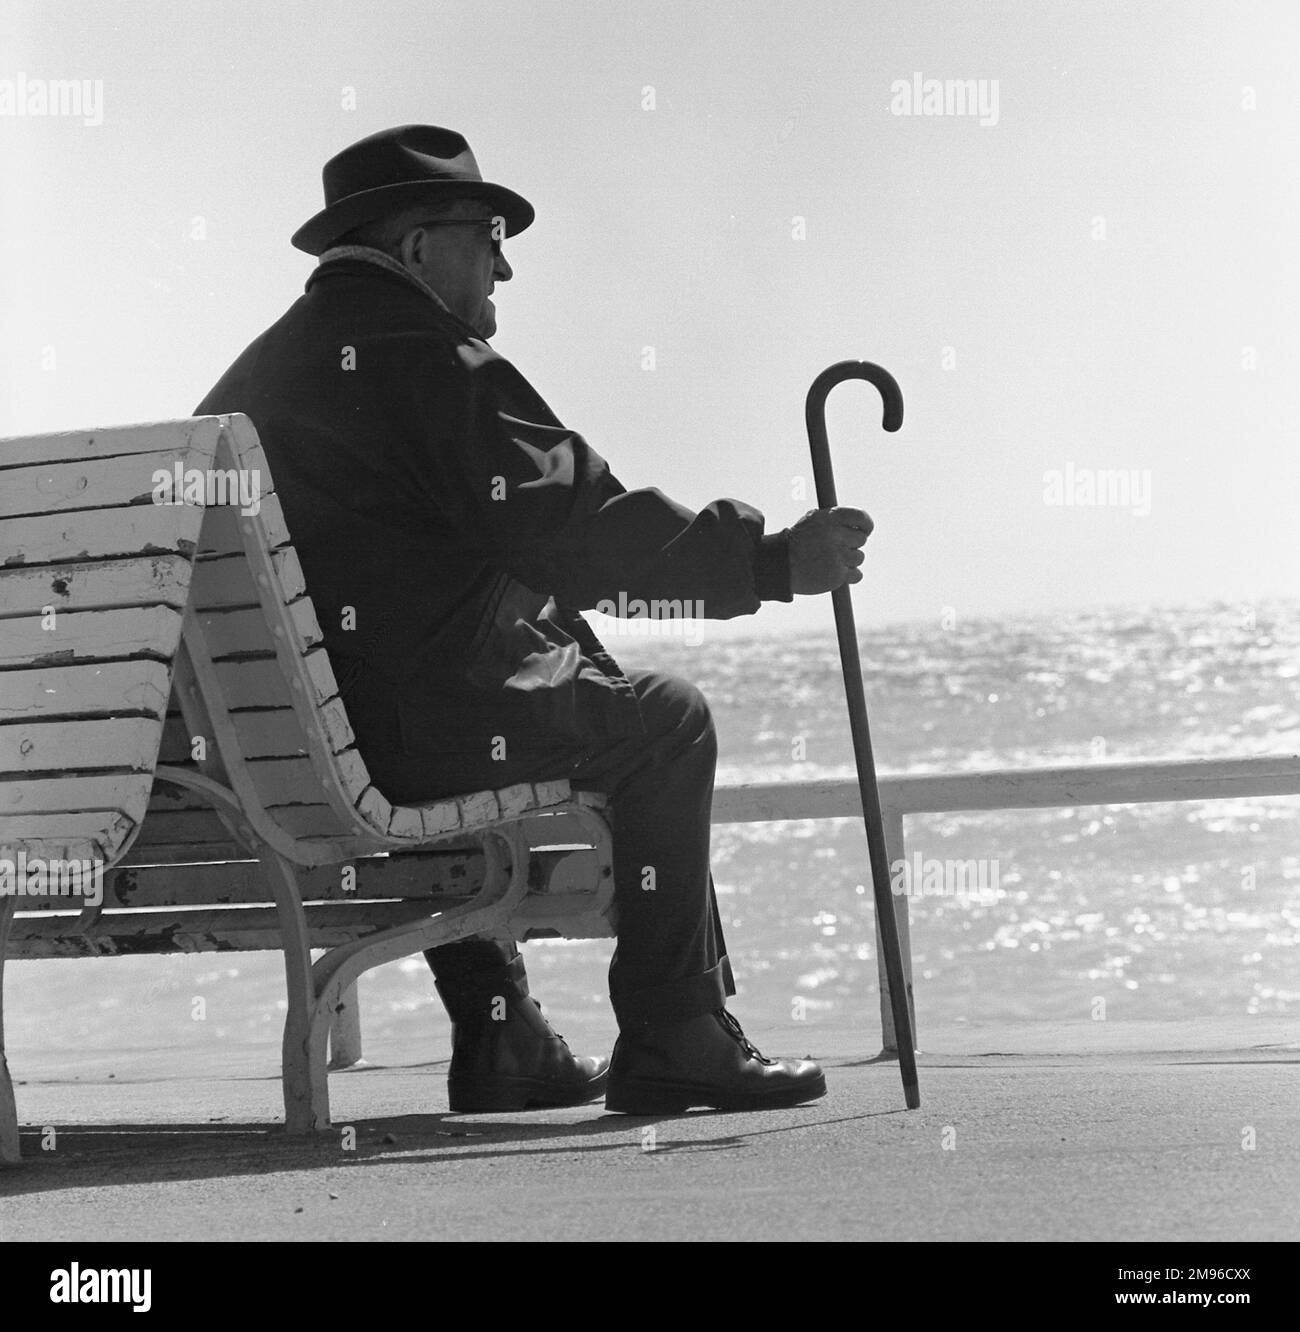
{"type": "Point", "coordinates": [733, 1029]}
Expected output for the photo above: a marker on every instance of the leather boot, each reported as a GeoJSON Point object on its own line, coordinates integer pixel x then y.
{"type": "Point", "coordinates": [504, 1053]}
{"type": "Point", "coordinates": [707, 1061]}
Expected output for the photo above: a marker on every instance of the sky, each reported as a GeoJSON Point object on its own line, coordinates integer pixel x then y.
{"type": "Point", "coordinates": [1086, 289]}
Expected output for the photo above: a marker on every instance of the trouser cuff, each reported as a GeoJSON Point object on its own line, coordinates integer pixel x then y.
{"type": "Point", "coordinates": [674, 1001]}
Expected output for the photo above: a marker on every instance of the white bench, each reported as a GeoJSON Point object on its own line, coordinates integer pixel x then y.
{"type": "Point", "coordinates": [168, 713]}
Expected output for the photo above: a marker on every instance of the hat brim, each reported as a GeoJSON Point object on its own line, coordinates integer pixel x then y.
{"type": "Point", "coordinates": [316, 235]}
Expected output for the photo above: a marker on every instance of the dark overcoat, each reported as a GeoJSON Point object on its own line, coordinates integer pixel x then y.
{"type": "Point", "coordinates": [451, 529]}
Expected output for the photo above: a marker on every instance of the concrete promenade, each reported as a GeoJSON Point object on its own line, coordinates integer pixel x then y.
{"type": "Point", "coordinates": [1037, 1131]}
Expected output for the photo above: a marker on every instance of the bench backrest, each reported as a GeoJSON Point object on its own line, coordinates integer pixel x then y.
{"type": "Point", "coordinates": [254, 678]}
{"type": "Point", "coordinates": [93, 582]}
{"type": "Point", "coordinates": [255, 706]}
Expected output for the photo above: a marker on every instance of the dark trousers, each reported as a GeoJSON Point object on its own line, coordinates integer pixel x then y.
{"type": "Point", "coordinates": [670, 963]}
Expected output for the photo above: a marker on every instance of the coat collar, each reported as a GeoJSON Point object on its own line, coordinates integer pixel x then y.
{"type": "Point", "coordinates": [378, 259]}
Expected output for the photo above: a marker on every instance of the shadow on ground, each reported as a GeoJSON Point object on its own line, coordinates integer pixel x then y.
{"type": "Point", "coordinates": [107, 1155]}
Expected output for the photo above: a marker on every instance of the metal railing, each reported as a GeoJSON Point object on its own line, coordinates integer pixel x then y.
{"type": "Point", "coordinates": [949, 792]}
{"type": "Point", "coordinates": [1005, 788]}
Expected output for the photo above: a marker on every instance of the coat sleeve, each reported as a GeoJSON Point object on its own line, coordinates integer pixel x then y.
{"type": "Point", "coordinates": [554, 515]}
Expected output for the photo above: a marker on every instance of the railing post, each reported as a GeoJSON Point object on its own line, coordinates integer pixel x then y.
{"type": "Point", "coordinates": [895, 846]}
{"type": "Point", "coordinates": [345, 1030]}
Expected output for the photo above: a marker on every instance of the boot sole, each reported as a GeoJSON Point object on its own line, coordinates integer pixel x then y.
{"type": "Point", "coordinates": [503, 1094]}
{"type": "Point", "coordinates": [669, 1098]}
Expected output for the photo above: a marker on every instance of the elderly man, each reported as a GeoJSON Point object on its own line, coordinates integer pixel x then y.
{"type": "Point", "coordinates": [451, 530]}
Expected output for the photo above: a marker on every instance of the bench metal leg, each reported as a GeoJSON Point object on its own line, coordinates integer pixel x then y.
{"type": "Point", "coordinates": [9, 1152]}
{"type": "Point", "coordinates": [896, 850]}
{"type": "Point", "coordinates": [345, 1030]}
{"type": "Point", "coordinates": [506, 852]}
{"type": "Point", "coordinates": [306, 1085]}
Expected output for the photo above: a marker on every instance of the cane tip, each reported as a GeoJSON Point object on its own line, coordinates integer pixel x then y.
{"type": "Point", "coordinates": [912, 1095]}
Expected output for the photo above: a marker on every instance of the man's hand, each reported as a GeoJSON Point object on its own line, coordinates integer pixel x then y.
{"type": "Point", "coordinates": [826, 549]}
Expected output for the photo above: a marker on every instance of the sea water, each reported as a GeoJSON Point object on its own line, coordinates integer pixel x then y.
{"type": "Point", "coordinates": [1178, 910]}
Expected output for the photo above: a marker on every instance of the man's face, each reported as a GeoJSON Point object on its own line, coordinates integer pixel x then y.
{"type": "Point", "coordinates": [458, 257]}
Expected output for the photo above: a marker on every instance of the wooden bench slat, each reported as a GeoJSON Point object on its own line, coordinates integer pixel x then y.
{"type": "Point", "coordinates": [263, 733]}
{"type": "Point", "coordinates": [315, 820]}
{"type": "Point", "coordinates": [226, 580]}
{"type": "Point", "coordinates": [108, 688]}
{"type": "Point", "coordinates": [70, 747]}
{"type": "Point", "coordinates": [90, 636]}
{"type": "Point", "coordinates": [239, 439]}
{"type": "Point", "coordinates": [279, 734]}
{"type": "Point", "coordinates": [219, 929]}
{"type": "Point", "coordinates": [182, 853]}
{"type": "Point", "coordinates": [200, 828]}
{"type": "Point", "coordinates": [230, 632]}
{"type": "Point", "coordinates": [145, 580]}
{"type": "Point", "coordinates": [261, 683]}
{"type": "Point", "coordinates": [200, 433]}
{"type": "Point", "coordinates": [73, 794]}
{"type": "Point", "coordinates": [145, 529]}
{"type": "Point", "coordinates": [222, 580]}
{"type": "Point", "coordinates": [186, 820]}
{"type": "Point", "coordinates": [293, 781]}
{"type": "Point", "coordinates": [87, 484]}
{"type": "Point", "coordinates": [223, 526]}
{"type": "Point", "coordinates": [553, 830]}
{"type": "Point", "coordinates": [79, 836]}
{"type": "Point", "coordinates": [149, 853]}
{"type": "Point", "coordinates": [430, 876]}
{"type": "Point", "coordinates": [479, 807]}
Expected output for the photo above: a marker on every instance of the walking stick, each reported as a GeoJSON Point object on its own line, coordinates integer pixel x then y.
{"type": "Point", "coordinates": [815, 415]}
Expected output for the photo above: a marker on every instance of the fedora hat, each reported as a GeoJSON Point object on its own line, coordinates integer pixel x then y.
{"type": "Point", "coordinates": [399, 167]}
